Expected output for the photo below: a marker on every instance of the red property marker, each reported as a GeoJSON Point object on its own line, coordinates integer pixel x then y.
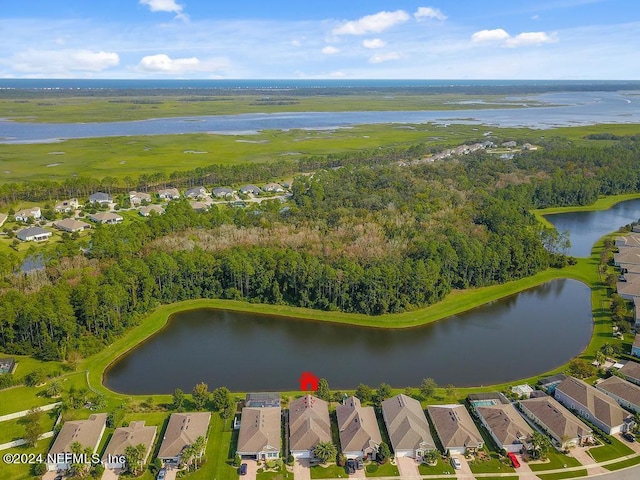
{"type": "Point", "coordinates": [308, 382]}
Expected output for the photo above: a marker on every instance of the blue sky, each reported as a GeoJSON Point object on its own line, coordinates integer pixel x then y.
{"type": "Point", "coordinates": [454, 39]}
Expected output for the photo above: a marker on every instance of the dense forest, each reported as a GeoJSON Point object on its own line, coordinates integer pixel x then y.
{"type": "Point", "coordinates": [366, 236]}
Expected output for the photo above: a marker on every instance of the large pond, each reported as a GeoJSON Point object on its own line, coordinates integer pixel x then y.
{"type": "Point", "coordinates": [585, 228]}
{"type": "Point", "coordinates": [516, 337]}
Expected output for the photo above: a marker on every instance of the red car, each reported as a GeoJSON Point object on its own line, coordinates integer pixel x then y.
{"type": "Point", "coordinates": [514, 460]}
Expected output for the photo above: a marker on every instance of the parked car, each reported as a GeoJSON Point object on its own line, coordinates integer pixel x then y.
{"type": "Point", "coordinates": [455, 463]}
{"type": "Point", "coordinates": [359, 464]}
{"type": "Point", "coordinates": [351, 466]}
{"type": "Point", "coordinates": [59, 477]}
{"type": "Point", "coordinates": [162, 473]}
{"type": "Point", "coordinates": [514, 460]}
{"type": "Point", "coordinates": [243, 469]}
{"type": "Point", "coordinates": [628, 436]}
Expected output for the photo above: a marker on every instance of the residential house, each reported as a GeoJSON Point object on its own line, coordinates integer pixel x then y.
{"type": "Point", "coordinates": [628, 291]}
{"type": "Point", "coordinates": [222, 192]}
{"type": "Point", "coordinates": [7, 365]}
{"type": "Point", "coordinates": [625, 393]}
{"type": "Point", "coordinates": [629, 240]}
{"type": "Point", "coordinates": [33, 234]}
{"type": "Point", "coordinates": [147, 209]}
{"type": "Point", "coordinates": [631, 371]}
{"type": "Point", "coordinates": [358, 429]}
{"type": "Point", "coordinates": [259, 436]}
{"type": "Point", "coordinates": [26, 213]}
{"type": "Point", "coordinates": [549, 384]}
{"type": "Point", "coordinates": [455, 429]}
{"type": "Point", "coordinates": [559, 423]}
{"type": "Point", "coordinates": [196, 192]}
{"type": "Point", "coordinates": [85, 432]}
{"type": "Point", "coordinates": [3, 218]}
{"type": "Point", "coordinates": [273, 187]}
{"type": "Point", "coordinates": [309, 425]}
{"type": "Point", "coordinates": [108, 218]}
{"type": "Point", "coordinates": [100, 197]}
{"type": "Point", "coordinates": [627, 255]}
{"type": "Point", "coordinates": [137, 433]}
{"type": "Point", "coordinates": [592, 405]}
{"type": "Point", "coordinates": [407, 427]}
{"type": "Point", "coordinates": [67, 206]}
{"type": "Point", "coordinates": [169, 194]}
{"type": "Point", "coordinates": [136, 198]}
{"type": "Point", "coordinates": [199, 206]}
{"type": "Point", "coordinates": [522, 391]}
{"type": "Point", "coordinates": [506, 426]}
{"type": "Point", "coordinates": [250, 189]}
{"type": "Point", "coordinates": [629, 267]}
{"type": "Point", "coordinates": [182, 430]}
{"type": "Point", "coordinates": [71, 225]}
{"type": "Point", "coordinates": [635, 348]}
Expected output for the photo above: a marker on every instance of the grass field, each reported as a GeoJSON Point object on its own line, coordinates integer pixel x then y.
{"type": "Point", "coordinates": [556, 461]}
{"type": "Point", "coordinates": [91, 109]}
{"type": "Point", "coordinates": [616, 449]}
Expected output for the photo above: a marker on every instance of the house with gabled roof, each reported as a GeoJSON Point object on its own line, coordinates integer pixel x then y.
{"type": "Point", "coordinates": [455, 429]}
{"type": "Point", "coordinates": [148, 209]}
{"type": "Point", "coordinates": [273, 187]}
{"type": "Point", "coordinates": [71, 225]}
{"type": "Point", "coordinates": [169, 193]}
{"type": "Point", "coordinates": [26, 213]}
{"type": "Point", "coordinates": [135, 434]}
{"type": "Point", "coordinates": [196, 192]}
{"type": "Point", "coordinates": [108, 218]}
{"type": "Point", "coordinates": [629, 240]}
{"type": "Point", "coordinates": [625, 393]}
{"type": "Point", "coordinates": [259, 435]}
{"type": "Point", "coordinates": [67, 206]}
{"type": "Point", "coordinates": [182, 430]}
{"type": "Point", "coordinates": [407, 426]}
{"type": "Point", "coordinates": [136, 198]}
{"type": "Point", "coordinates": [358, 429]}
{"type": "Point", "coordinates": [250, 189]}
{"type": "Point", "coordinates": [309, 425]}
{"type": "Point", "coordinates": [506, 426]}
{"type": "Point", "coordinates": [565, 429]}
{"type": "Point", "coordinates": [100, 197]}
{"type": "Point", "coordinates": [33, 234]}
{"type": "Point", "coordinates": [593, 405]}
{"type": "Point", "coordinates": [222, 192]}
{"type": "Point", "coordinates": [87, 433]}
{"type": "Point", "coordinates": [631, 372]}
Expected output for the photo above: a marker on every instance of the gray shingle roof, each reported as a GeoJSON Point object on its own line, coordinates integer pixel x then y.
{"type": "Point", "coordinates": [406, 424]}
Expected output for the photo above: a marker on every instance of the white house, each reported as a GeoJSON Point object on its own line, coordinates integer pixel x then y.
{"type": "Point", "coordinates": [259, 435]}
{"type": "Point", "coordinates": [33, 234]}
{"type": "Point", "coordinates": [27, 213]}
{"type": "Point", "coordinates": [625, 393]}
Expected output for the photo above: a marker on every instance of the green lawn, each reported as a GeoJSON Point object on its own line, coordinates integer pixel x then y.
{"type": "Point", "coordinates": [282, 474]}
{"type": "Point", "coordinates": [13, 430]}
{"type": "Point", "coordinates": [556, 460]}
{"type": "Point", "coordinates": [328, 471]}
{"type": "Point", "coordinates": [624, 464]}
{"type": "Point", "coordinates": [386, 470]}
{"type": "Point", "coordinates": [219, 453]}
{"type": "Point", "coordinates": [18, 471]}
{"type": "Point", "coordinates": [558, 476]}
{"type": "Point", "coordinates": [493, 465]}
{"type": "Point", "coordinates": [608, 452]}
{"type": "Point", "coordinates": [440, 467]}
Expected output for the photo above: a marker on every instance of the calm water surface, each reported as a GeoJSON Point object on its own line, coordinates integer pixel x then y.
{"type": "Point", "coordinates": [520, 336]}
{"type": "Point", "coordinates": [585, 228]}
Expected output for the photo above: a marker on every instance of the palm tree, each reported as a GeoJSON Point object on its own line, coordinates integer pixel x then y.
{"type": "Point", "coordinates": [325, 451]}
{"type": "Point", "coordinates": [540, 445]}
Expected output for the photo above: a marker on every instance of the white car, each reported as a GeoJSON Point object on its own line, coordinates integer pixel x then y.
{"type": "Point", "coordinates": [456, 463]}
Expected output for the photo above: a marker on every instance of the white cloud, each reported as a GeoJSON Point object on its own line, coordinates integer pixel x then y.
{"type": "Point", "coordinates": [535, 17]}
{"type": "Point", "coordinates": [374, 43]}
{"type": "Point", "coordinates": [162, 63]}
{"type": "Point", "coordinates": [166, 6]}
{"type": "Point", "coordinates": [495, 35]}
{"type": "Point", "coordinates": [375, 23]}
{"type": "Point", "coordinates": [385, 57]}
{"type": "Point", "coordinates": [329, 50]}
{"type": "Point", "coordinates": [296, 43]}
{"type": "Point", "coordinates": [521, 40]}
{"type": "Point", "coordinates": [63, 61]}
{"type": "Point", "coordinates": [531, 38]}
{"type": "Point", "coordinates": [428, 12]}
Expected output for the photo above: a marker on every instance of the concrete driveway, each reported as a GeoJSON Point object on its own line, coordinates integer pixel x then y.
{"type": "Point", "coordinates": [301, 469]}
{"type": "Point", "coordinates": [252, 469]}
{"type": "Point", "coordinates": [524, 470]}
{"type": "Point", "coordinates": [50, 475]}
{"type": "Point", "coordinates": [110, 474]}
{"type": "Point", "coordinates": [465, 471]}
{"type": "Point", "coordinates": [408, 467]}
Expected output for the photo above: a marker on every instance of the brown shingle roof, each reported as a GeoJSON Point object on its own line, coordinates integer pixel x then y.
{"type": "Point", "coordinates": [601, 406]}
{"type": "Point", "coordinates": [506, 424]}
{"type": "Point", "coordinates": [454, 426]}
{"type": "Point", "coordinates": [133, 435]}
{"type": "Point", "coordinates": [407, 426]}
{"type": "Point", "coordinates": [559, 421]}
{"type": "Point", "coordinates": [357, 425]}
{"type": "Point", "coordinates": [86, 432]}
{"type": "Point", "coordinates": [183, 429]}
{"type": "Point", "coordinates": [260, 429]}
{"type": "Point", "coordinates": [621, 388]}
{"type": "Point", "coordinates": [631, 370]}
{"type": "Point", "coordinates": [308, 423]}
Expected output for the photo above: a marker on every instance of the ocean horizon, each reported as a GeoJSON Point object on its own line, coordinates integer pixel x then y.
{"type": "Point", "coordinates": [292, 84]}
